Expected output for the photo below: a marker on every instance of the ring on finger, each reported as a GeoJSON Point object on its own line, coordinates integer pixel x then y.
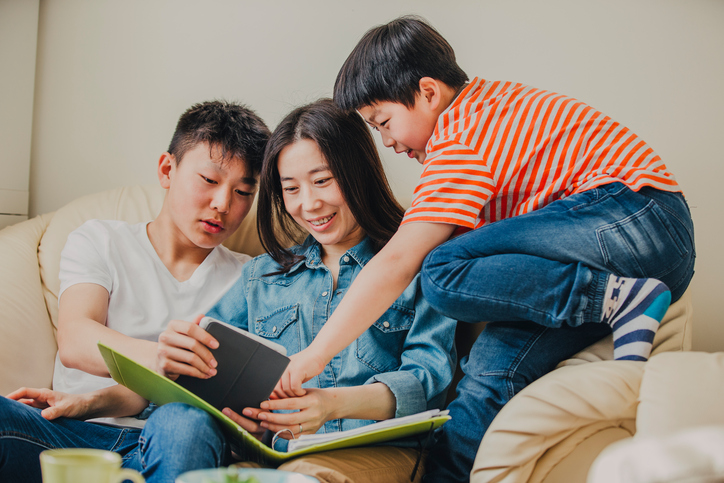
{"type": "Point", "coordinates": [300, 428]}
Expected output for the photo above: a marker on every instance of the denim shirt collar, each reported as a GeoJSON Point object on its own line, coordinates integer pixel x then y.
{"type": "Point", "coordinates": [311, 250]}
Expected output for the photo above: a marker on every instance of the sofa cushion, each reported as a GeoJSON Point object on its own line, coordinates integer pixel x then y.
{"type": "Point", "coordinates": [27, 345]}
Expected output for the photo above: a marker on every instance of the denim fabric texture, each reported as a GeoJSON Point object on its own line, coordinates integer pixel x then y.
{"type": "Point", "coordinates": [410, 348]}
{"type": "Point", "coordinates": [170, 443]}
{"type": "Point", "coordinates": [539, 279]}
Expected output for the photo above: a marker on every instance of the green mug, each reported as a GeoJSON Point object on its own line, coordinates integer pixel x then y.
{"type": "Point", "coordinates": [84, 466]}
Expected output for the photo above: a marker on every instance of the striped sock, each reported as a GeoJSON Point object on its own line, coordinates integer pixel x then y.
{"type": "Point", "coordinates": [634, 307]}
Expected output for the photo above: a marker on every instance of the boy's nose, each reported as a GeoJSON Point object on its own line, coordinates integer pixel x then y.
{"type": "Point", "coordinates": [221, 201]}
{"type": "Point", "coordinates": [387, 141]}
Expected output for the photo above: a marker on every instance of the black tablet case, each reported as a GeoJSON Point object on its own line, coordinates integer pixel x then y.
{"type": "Point", "coordinates": [246, 373]}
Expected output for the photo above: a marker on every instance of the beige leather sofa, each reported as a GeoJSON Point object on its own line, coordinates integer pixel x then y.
{"type": "Point", "coordinates": [551, 431]}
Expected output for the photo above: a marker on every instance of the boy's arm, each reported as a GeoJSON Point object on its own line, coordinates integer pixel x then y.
{"type": "Point", "coordinates": [82, 314]}
{"type": "Point", "coordinates": [374, 290]}
{"type": "Point", "coordinates": [114, 401]}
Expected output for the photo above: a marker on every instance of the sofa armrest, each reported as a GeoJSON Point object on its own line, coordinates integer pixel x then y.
{"type": "Point", "coordinates": [680, 391]}
{"type": "Point", "coordinates": [547, 420]}
{"type": "Point", "coordinates": [27, 339]}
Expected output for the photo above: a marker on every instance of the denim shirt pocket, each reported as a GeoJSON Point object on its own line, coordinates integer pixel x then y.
{"type": "Point", "coordinates": [281, 327]}
{"type": "Point", "coordinates": [380, 346]}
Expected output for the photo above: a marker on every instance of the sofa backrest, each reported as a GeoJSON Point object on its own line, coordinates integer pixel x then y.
{"type": "Point", "coordinates": [29, 265]}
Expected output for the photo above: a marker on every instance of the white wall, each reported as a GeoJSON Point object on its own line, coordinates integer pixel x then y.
{"type": "Point", "coordinates": [18, 44]}
{"type": "Point", "coordinates": [113, 77]}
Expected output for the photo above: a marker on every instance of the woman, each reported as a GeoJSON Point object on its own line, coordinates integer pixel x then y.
{"type": "Point", "coordinates": [322, 174]}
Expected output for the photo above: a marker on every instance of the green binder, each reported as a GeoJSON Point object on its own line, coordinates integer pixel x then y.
{"type": "Point", "coordinates": [161, 390]}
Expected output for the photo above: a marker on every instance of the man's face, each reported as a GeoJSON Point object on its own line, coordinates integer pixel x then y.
{"type": "Point", "coordinates": [208, 197]}
{"type": "Point", "coordinates": [406, 130]}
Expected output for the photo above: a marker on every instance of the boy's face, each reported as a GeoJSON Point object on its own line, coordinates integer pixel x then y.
{"type": "Point", "coordinates": [403, 129]}
{"type": "Point", "coordinates": [208, 197]}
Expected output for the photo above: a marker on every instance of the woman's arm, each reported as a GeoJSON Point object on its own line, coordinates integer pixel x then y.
{"type": "Point", "coordinates": [374, 290]}
{"type": "Point", "coordinates": [82, 314]}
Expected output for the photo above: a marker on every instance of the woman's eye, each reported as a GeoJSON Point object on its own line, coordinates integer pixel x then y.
{"type": "Point", "coordinates": [322, 181]}
{"type": "Point", "coordinates": [289, 189]}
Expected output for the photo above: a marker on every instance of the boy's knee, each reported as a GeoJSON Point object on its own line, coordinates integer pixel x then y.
{"type": "Point", "coordinates": [182, 421]}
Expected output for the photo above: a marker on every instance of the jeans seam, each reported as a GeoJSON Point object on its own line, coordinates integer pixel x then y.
{"type": "Point", "coordinates": [510, 373]}
{"type": "Point", "coordinates": [26, 438]}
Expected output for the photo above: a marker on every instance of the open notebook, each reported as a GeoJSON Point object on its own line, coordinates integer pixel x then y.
{"type": "Point", "coordinates": [161, 390]}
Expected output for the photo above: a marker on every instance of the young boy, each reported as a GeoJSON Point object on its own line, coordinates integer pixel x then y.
{"type": "Point", "coordinates": [121, 284]}
{"type": "Point", "coordinates": [563, 226]}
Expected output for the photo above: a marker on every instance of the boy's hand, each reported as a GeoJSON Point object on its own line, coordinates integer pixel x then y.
{"type": "Point", "coordinates": [183, 348]}
{"type": "Point", "coordinates": [304, 365]}
{"type": "Point", "coordinates": [54, 404]}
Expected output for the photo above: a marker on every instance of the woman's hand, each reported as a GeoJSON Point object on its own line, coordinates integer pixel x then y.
{"type": "Point", "coordinates": [183, 348]}
{"type": "Point", "coordinates": [54, 404]}
{"type": "Point", "coordinates": [312, 410]}
{"type": "Point", "coordinates": [304, 365]}
{"type": "Point", "coordinates": [249, 424]}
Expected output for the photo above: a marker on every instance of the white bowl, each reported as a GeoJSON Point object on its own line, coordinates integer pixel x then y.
{"type": "Point", "coordinates": [218, 475]}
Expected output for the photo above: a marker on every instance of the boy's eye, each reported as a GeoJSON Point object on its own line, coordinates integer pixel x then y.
{"type": "Point", "coordinates": [245, 193]}
{"type": "Point", "coordinates": [208, 180]}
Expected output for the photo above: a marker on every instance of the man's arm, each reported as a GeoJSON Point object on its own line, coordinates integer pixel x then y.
{"type": "Point", "coordinates": [82, 314]}
{"type": "Point", "coordinates": [374, 290]}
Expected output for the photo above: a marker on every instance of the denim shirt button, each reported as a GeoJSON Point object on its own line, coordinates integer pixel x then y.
{"type": "Point", "coordinates": [386, 324]}
{"type": "Point", "coordinates": [274, 329]}
{"type": "Point", "coordinates": [324, 294]}
{"type": "Point", "coordinates": [346, 258]}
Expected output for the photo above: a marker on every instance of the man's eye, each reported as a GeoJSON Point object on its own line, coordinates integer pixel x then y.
{"type": "Point", "coordinates": [244, 193]}
{"type": "Point", "coordinates": [208, 180]}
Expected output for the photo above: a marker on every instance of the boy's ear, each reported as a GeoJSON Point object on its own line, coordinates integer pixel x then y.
{"type": "Point", "coordinates": [431, 92]}
{"type": "Point", "coordinates": [166, 165]}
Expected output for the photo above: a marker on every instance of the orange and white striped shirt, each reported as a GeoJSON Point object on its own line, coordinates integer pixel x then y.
{"type": "Point", "coordinates": [504, 149]}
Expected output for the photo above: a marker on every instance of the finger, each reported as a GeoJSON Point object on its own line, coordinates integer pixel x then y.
{"type": "Point", "coordinates": [286, 403]}
{"type": "Point", "coordinates": [194, 331]}
{"type": "Point", "coordinates": [295, 385]}
{"type": "Point", "coordinates": [246, 423]}
{"type": "Point", "coordinates": [24, 393]}
{"type": "Point", "coordinates": [276, 428]}
{"type": "Point", "coordinates": [50, 413]}
{"type": "Point", "coordinates": [170, 359]}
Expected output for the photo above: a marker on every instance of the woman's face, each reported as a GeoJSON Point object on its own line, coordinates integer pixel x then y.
{"type": "Point", "coordinates": [313, 198]}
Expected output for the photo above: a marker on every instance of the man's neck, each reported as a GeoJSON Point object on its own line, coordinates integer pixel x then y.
{"type": "Point", "coordinates": [177, 253]}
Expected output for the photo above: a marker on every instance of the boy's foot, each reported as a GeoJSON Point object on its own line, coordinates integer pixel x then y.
{"type": "Point", "coordinates": [634, 307]}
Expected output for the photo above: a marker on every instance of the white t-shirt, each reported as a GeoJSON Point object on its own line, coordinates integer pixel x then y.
{"type": "Point", "coordinates": [144, 295]}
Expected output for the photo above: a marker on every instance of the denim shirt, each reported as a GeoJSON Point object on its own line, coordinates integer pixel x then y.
{"type": "Point", "coordinates": [410, 348]}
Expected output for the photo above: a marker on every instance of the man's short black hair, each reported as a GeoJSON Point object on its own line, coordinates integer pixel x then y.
{"type": "Point", "coordinates": [233, 129]}
{"type": "Point", "coordinates": [389, 61]}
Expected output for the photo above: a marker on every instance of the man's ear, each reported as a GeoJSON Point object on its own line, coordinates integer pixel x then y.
{"type": "Point", "coordinates": [431, 92]}
{"type": "Point", "coordinates": [166, 165]}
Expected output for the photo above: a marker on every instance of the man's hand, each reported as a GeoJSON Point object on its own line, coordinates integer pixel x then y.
{"type": "Point", "coordinates": [183, 348]}
{"type": "Point", "coordinates": [54, 404]}
{"type": "Point", "coordinates": [304, 365]}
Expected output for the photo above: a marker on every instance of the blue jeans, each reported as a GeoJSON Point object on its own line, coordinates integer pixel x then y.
{"type": "Point", "coordinates": [175, 439]}
{"type": "Point", "coordinates": [540, 279]}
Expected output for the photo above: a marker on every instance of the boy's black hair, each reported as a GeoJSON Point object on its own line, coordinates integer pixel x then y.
{"type": "Point", "coordinates": [233, 129]}
{"type": "Point", "coordinates": [351, 155]}
{"type": "Point", "coordinates": [389, 61]}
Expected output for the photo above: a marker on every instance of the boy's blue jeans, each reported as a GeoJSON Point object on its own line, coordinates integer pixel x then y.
{"type": "Point", "coordinates": [175, 439]}
{"type": "Point", "coordinates": [539, 279]}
